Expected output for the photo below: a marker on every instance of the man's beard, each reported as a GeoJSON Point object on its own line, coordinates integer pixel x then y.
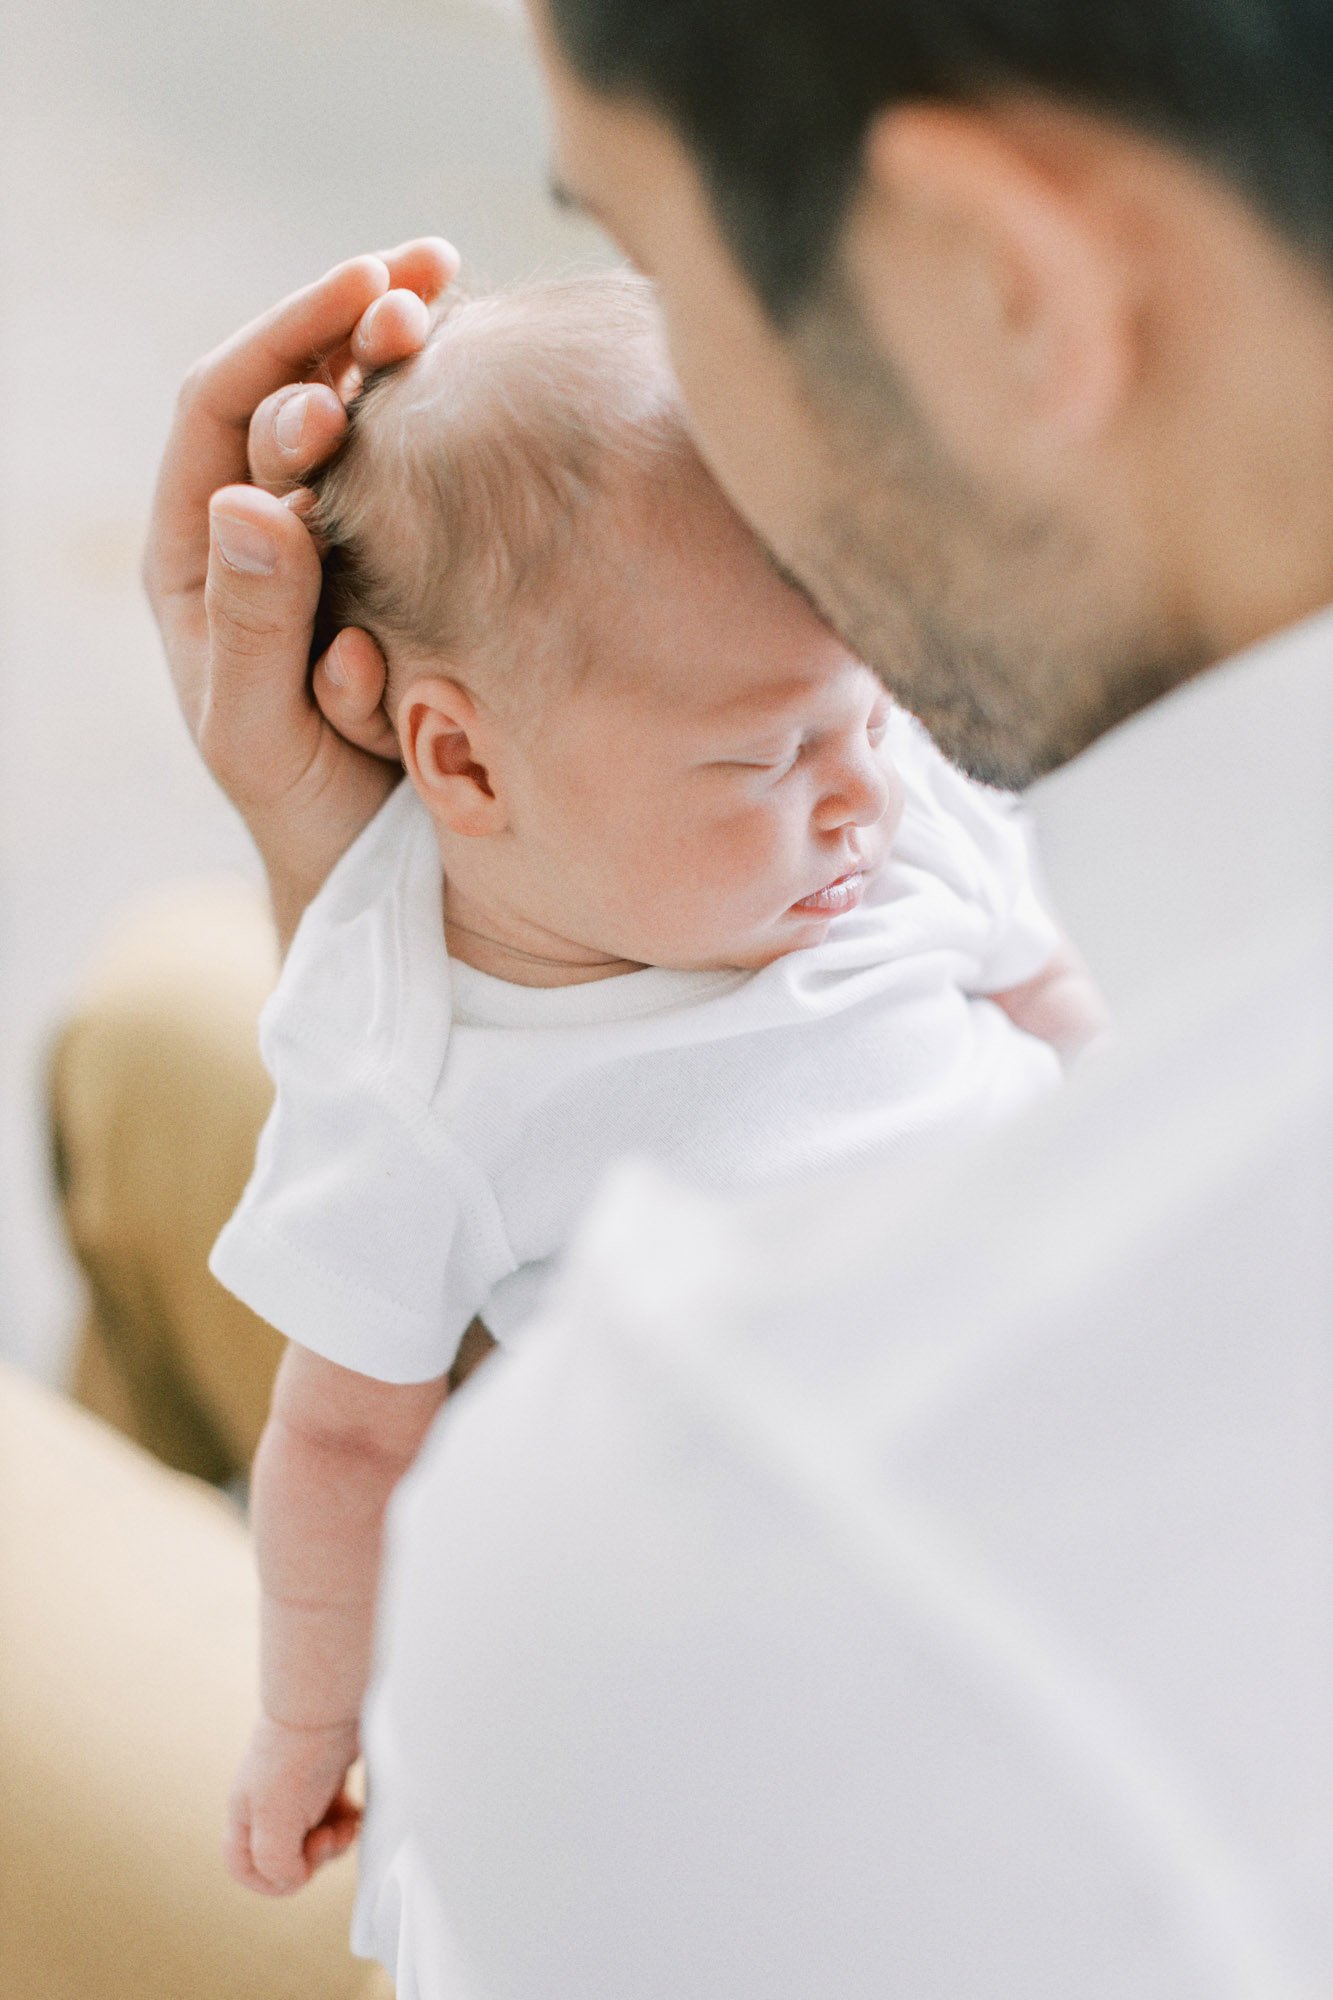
{"type": "Point", "coordinates": [1006, 705]}
{"type": "Point", "coordinates": [1008, 635]}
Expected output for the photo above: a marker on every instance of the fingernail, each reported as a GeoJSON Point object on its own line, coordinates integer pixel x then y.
{"type": "Point", "coordinates": [245, 547]}
{"type": "Point", "coordinates": [333, 667]}
{"type": "Point", "coordinates": [289, 424]}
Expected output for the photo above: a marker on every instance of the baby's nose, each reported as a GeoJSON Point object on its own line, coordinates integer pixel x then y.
{"type": "Point", "coordinates": [861, 794]}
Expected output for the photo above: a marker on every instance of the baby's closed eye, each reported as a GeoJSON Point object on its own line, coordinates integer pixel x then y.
{"type": "Point", "coordinates": [776, 767]}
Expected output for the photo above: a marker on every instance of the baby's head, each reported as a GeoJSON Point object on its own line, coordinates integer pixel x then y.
{"type": "Point", "coordinates": [635, 738]}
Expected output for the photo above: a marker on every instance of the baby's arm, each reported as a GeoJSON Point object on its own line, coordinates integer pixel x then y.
{"type": "Point", "coordinates": [1061, 1004]}
{"type": "Point", "coordinates": [335, 1446]}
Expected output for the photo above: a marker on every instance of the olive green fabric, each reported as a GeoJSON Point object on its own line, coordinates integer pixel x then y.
{"type": "Point", "coordinates": [157, 1095]}
{"type": "Point", "coordinates": [127, 1688]}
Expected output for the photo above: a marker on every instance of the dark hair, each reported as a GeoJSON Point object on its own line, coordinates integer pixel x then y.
{"type": "Point", "coordinates": [774, 97]}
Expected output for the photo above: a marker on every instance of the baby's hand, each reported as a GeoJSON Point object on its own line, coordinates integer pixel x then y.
{"type": "Point", "coordinates": [289, 1811]}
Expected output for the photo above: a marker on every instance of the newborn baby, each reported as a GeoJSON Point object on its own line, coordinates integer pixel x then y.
{"type": "Point", "coordinates": [670, 874]}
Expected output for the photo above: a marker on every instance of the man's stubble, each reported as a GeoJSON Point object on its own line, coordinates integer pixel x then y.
{"type": "Point", "coordinates": [1010, 634]}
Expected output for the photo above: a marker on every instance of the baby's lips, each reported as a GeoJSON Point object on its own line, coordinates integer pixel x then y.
{"type": "Point", "coordinates": [843, 893]}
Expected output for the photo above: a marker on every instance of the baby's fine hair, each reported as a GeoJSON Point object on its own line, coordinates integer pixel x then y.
{"type": "Point", "coordinates": [472, 487]}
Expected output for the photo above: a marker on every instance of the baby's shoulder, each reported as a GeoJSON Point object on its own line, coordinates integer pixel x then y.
{"type": "Point", "coordinates": [366, 981]}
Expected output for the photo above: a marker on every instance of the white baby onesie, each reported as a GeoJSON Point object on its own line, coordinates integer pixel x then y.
{"type": "Point", "coordinates": [436, 1132]}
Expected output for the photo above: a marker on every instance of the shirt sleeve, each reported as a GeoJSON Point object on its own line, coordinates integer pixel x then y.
{"type": "Point", "coordinates": [983, 838]}
{"type": "Point", "coordinates": [363, 1234]}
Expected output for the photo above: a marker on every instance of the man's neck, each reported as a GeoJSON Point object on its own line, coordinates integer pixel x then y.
{"type": "Point", "coordinates": [1251, 521]}
{"type": "Point", "coordinates": [511, 948]}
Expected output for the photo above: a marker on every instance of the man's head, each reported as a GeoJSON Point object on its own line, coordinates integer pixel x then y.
{"type": "Point", "coordinates": [1009, 327]}
{"type": "Point", "coordinates": [636, 739]}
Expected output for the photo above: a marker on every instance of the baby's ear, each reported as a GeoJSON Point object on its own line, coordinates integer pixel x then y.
{"type": "Point", "coordinates": [441, 735]}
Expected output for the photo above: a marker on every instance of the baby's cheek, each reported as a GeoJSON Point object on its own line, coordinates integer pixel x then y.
{"type": "Point", "coordinates": [758, 867]}
{"type": "Point", "coordinates": [658, 886]}
{"type": "Point", "coordinates": [702, 888]}
{"type": "Point", "coordinates": [736, 851]}
{"type": "Point", "coordinates": [700, 881]}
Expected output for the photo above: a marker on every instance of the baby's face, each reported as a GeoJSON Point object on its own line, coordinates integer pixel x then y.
{"type": "Point", "coordinates": [712, 791]}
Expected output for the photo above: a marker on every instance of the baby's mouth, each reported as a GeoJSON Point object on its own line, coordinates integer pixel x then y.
{"type": "Point", "coordinates": [834, 897]}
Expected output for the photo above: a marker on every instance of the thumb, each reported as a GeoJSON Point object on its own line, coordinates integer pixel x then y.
{"type": "Point", "coordinates": [259, 727]}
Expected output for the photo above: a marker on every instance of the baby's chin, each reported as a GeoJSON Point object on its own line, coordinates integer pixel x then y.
{"type": "Point", "coordinates": [790, 933]}
{"type": "Point", "coordinates": [792, 929]}
{"type": "Point", "coordinates": [810, 932]}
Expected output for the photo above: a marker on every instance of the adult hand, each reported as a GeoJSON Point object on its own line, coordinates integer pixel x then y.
{"type": "Point", "coordinates": [233, 576]}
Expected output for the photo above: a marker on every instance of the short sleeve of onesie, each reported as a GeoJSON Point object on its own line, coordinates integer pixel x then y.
{"type": "Point", "coordinates": [358, 1235]}
{"type": "Point", "coordinates": [363, 1235]}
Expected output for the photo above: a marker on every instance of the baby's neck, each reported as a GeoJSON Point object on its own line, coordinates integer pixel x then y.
{"type": "Point", "coordinates": [522, 953]}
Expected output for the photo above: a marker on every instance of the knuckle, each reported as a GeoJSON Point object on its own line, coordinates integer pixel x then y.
{"type": "Point", "coordinates": [249, 634]}
{"type": "Point", "coordinates": [239, 625]}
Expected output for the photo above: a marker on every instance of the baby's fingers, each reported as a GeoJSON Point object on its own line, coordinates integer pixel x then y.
{"type": "Point", "coordinates": [277, 1852]}
{"type": "Point", "coordinates": [239, 1859]}
{"type": "Point", "coordinates": [335, 1833]}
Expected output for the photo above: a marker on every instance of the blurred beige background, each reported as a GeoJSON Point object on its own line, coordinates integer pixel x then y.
{"type": "Point", "coordinates": [166, 172]}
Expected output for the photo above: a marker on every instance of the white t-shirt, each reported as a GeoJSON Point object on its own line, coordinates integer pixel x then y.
{"type": "Point", "coordinates": [437, 1132]}
{"type": "Point", "coordinates": [923, 1585]}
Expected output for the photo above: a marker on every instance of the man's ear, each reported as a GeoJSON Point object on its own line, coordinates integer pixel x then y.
{"type": "Point", "coordinates": [993, 283]}
{"type": "Point", "coordinates": [444, 743]}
